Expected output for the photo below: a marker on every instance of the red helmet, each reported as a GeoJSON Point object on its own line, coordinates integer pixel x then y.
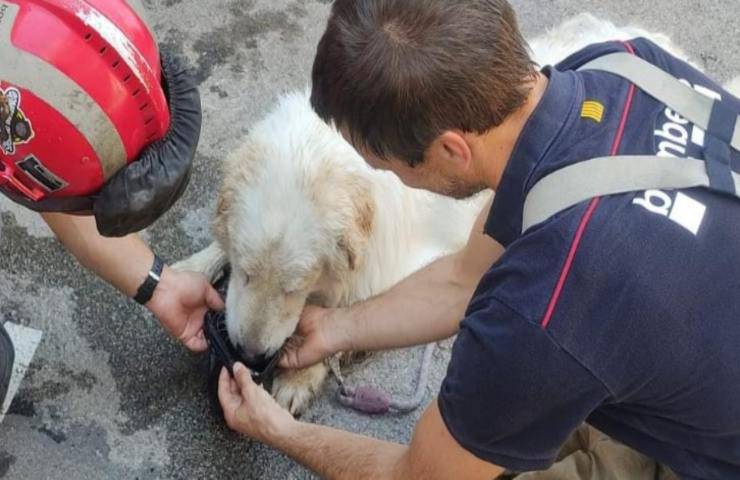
{"type": "Point", "coordinates": [80, 95]}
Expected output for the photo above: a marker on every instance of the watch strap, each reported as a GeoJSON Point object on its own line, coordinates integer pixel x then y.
{"type": "Point", "coordinates": [146, 290]}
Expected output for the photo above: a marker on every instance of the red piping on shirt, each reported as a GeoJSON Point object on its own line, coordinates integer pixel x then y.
{"type": "Point", "coordinates": [625, 113]}
{"type": "Point", "coordinates": [589, 211]}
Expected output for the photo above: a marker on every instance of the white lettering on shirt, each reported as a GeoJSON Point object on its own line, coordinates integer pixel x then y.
{"type": "Point", "coordinates": [673, 139]}
{"type": "Point", "coordinates": [684, 210]}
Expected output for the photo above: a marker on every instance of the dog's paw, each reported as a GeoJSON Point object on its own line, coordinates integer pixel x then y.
{"type": "Point", "coordinates": [209, 262]}
{"type": "Point", "coordinates": [189, 264]}
{"type": "Point", "coordinates": [295, 389]}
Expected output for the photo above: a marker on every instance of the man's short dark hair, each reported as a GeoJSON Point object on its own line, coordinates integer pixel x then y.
{"type": "Point", "coordinates": [395, 74]}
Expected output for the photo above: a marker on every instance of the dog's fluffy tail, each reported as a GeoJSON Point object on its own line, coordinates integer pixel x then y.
{"type": "Point", "coordinates": [734, 87]}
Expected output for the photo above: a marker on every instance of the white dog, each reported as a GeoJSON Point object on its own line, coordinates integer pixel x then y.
{"type": "Point", "coordinates": [301, 218]}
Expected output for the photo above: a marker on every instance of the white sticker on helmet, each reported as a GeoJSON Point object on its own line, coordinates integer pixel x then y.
{"type": "Point", "coordinates": [15, 128]}
{"type": "Point", "coordinates": [116, 38]}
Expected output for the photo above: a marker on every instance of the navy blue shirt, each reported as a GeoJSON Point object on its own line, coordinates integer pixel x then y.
{"type": "Point", "coordinates": [623, 311]}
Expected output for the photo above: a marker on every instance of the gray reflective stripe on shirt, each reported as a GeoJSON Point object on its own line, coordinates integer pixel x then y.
{"type": "Point", "coordinates": [601, 176]}
{"type": "Point", "coordinates": [661, 85]}
{"type": "Point", "coordinates": [27, 71]}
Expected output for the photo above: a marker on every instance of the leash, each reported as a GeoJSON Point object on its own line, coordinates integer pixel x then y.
{"type": "Point", "coordinates": [372, 400]}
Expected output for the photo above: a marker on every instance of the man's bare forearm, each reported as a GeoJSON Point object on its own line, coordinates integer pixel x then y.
{"type": "Point", "coordinates": [336, 454]}
{"type": "Point", "coordinates": [425, 307]}
{"type": "Point", "coordinates": [123, 262]}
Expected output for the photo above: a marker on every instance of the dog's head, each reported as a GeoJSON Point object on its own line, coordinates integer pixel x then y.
{"type": "Point", "coordinates": [294, 216]}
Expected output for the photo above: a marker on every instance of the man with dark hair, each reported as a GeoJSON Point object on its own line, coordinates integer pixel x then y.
{"type": "Point", "coordinates": [422, 77]}
{"type": "Point", "coordinates": [616, 309]}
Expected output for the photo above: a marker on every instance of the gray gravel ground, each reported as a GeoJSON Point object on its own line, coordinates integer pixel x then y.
{"type": "Point", "coordinates": [108, 394]}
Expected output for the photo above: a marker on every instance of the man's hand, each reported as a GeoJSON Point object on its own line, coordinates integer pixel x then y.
{"type": "Point", "coordinates": [433, 454]}
{"type": "Point", "coordinates": [321, 333]}
{"type": "Point", "coordinates": [249, 409]}
{"type": "Point", "coordinates": [180, 302]}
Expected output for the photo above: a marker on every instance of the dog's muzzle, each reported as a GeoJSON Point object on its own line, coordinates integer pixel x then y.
{"type": "Point", "coordinates": [223, 353]}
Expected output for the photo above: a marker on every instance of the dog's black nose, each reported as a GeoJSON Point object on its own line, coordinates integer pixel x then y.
{"type": "Point", "coordinates": [256, 360]}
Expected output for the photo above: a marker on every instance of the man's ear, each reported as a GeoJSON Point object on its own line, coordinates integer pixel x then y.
{"type": "Point", "coordinates": [451, 150]}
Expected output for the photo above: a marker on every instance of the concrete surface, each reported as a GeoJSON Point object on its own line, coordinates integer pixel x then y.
{"type": "Point", "coordinates": [108, 394]}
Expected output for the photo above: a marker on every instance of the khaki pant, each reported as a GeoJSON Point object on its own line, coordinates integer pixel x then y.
{"type": "Point", "coordinates": [591, 455]}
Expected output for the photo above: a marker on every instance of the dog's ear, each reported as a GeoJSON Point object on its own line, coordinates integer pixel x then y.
{"type": "Point", "coordinates": [238, 171]}
{"type": "Point", "coordinates": [357, 231]}
{"type": "Point", "coordinates": [220, 225]}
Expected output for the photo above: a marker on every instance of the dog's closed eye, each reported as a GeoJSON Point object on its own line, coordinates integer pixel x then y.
{"type": "Point", "coordinates": [242, 275]}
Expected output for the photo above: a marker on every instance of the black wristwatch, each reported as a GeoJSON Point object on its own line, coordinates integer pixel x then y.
{"type": "Point", "coordinates": [146, 290]}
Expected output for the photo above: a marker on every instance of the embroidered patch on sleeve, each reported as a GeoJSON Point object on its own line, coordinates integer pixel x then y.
{"type": "Point", "coordinates": [593, 110]}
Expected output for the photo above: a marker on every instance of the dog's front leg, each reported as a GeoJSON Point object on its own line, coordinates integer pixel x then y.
{"type": "Point", "coordinates": [209, 261]}
{"type": "Point", "coordinates": [294, 389]}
